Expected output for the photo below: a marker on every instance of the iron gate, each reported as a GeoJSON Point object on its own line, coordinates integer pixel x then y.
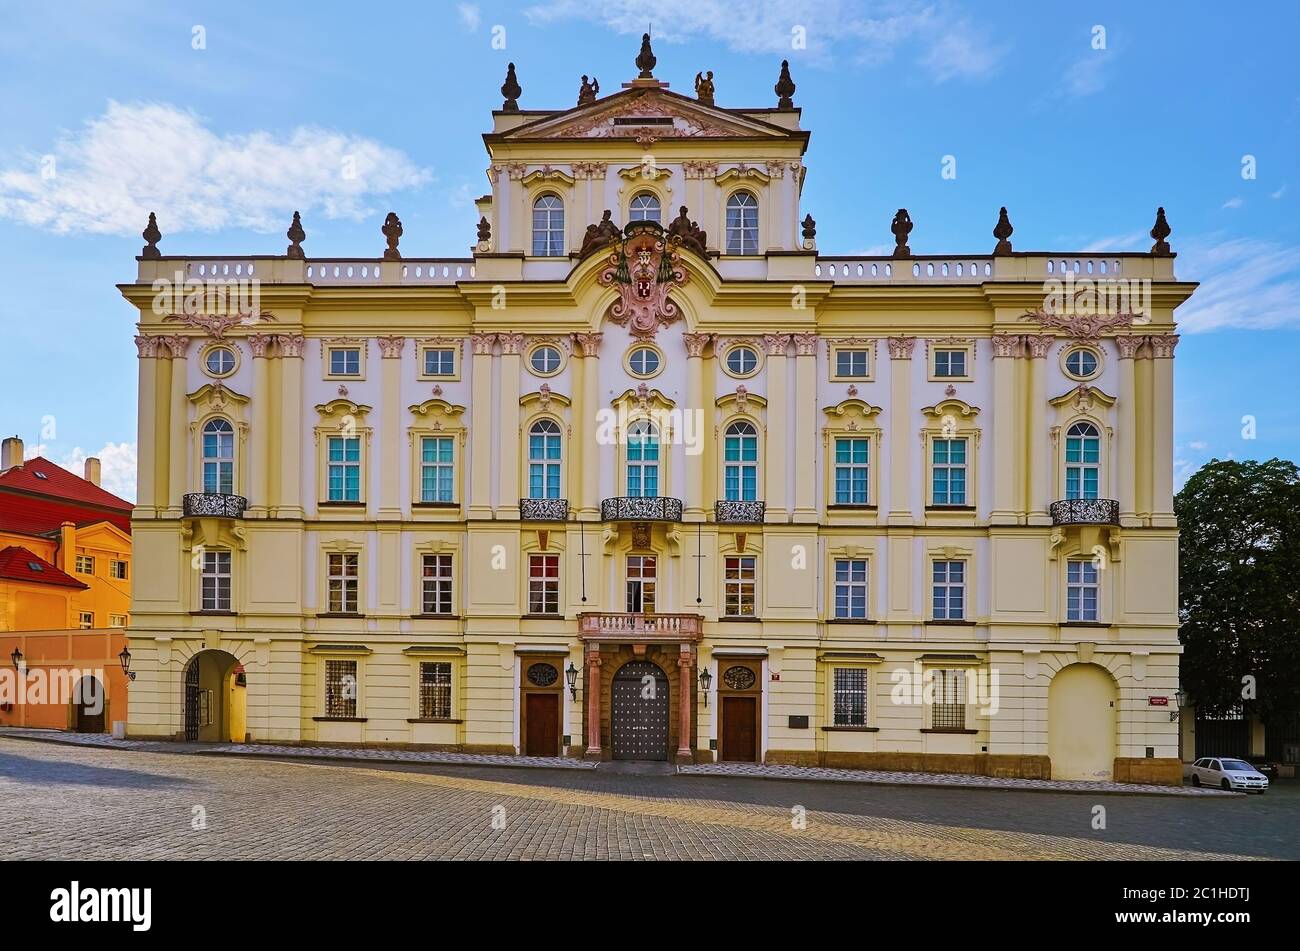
{"type": "Point", "coordinates": [1222, 737]}
{"type": "Point", "coordinates": [192, 695]}
{"type": "Point", "coordinates": [639, 715]}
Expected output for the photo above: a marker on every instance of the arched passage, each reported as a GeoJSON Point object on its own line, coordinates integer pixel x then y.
{"type": "Point", "coordinates": [640, 711]}
{"type": "Point", "coordinates": [1081, 723]}
{"type": "Point", "coordinates": [215, 703]}
{"type": "Point", "coordinates": [89, 704]}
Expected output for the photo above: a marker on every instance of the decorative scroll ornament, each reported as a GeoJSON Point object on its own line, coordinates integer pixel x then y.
{"type": "Point", "coordinates": [1080, 326]}
{"type": "Point", "coordinates": [644, 269]}
{"type": "Point", "coordinates": [216, 325]}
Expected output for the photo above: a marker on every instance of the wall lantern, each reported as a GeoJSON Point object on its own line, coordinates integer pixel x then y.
{"type": "Point", "coordinates": [571, 675]}
{"type": "Point", "coordinates": [706, 681]}
{"type": "Point", "coordinates": [17, 658]}
{"type": "Point", "coordinates": [125, 658]}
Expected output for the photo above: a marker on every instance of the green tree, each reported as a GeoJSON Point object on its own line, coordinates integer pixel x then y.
{"type": "Point", "coordinates": [1239, 581]}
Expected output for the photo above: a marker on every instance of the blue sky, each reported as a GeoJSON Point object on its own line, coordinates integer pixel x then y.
{"type": "Point", "coordinates": [225, 141]}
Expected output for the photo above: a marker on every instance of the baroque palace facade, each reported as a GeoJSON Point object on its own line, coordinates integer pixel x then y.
{"type": "Point", "coordinates": [685, 488]}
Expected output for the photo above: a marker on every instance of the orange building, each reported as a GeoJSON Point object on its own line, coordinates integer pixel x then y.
{"type": "Point", "coordinates": [65, 594]}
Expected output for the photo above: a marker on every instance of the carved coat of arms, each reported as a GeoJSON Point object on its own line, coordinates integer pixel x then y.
{"type": "Point", "coordinates": [644, 269]}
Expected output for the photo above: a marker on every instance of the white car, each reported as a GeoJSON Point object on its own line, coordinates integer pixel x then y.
{"type": "Point", "coordinates": [1228, 773]}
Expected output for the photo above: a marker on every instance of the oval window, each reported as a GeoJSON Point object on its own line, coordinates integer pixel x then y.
{"type": "Point", "coordinates": [220, 361]}
{"type": "Point", "coordinates": [542, 675]}
{"type": "Point", "coordinates": [545, 360]}
{"type": "Point", "coordinates": [644, 361]}
{"type": "Point", "coordinates": [741, 361]}
{"type": "Point", "coordinates": [1081, 363]}
{"type": "Point", "coordinates": [738, 678]}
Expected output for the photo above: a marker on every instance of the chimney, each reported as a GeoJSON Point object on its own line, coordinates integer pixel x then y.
{"type": "Point", "coordinates": [92, 470]}
{"type": "Point", "coordinates": [67, 546]}
{"type": "Point", "coordinates": [11, 453]}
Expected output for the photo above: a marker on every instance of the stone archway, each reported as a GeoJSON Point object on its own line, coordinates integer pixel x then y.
{"type": "Point", "coordinates": [1081, 717]}
{"type": "Point", "coordinates": [640, 712]}
{"type": "Point", "coordinates": [214, 700]}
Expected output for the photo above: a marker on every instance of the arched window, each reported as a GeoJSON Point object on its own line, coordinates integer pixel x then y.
{"type": "Point", "coordinates": [644, 207]}
{"type": "Point", "coordinates": [218, 457]}
{"type": "Point", "coordinates": [548, 227]}
{"type": "Point", "coordinates": [740, 462]}
{"type": "Point", "coordinates": [643, 460]}
{"type": "Point", "coordinates": [1082, 461]}
{"type": "Point", "coordinates": [544, 460]}
{"type": "Point", "coordinates": [742, 224]}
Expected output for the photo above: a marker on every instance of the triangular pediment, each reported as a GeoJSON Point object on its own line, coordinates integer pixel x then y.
{"type": "Point", "coordinates": [668, 115]}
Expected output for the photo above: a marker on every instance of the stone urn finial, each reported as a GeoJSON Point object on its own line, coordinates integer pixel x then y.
{"type": "Point", "coordinates": [809, 228]}
{"type": "Point", "coordinates": [484, 230]}
{"type": "Point", "coordinates": [1002, 231]}
{"type": "Point", "coordinates": [152, 236]}
{"type": "Point", "coordinates": [392, 231]}
{"type": "Point", "coordinates": [511, 90]}
{"type": "Point", "coordinates": [645, 60]}
{"type": "Point", "coordinates": [1160, 231]}
{"type": "Point", "coordinates": [296, 237]}
{"type": "Point", "coordinates": [784, 87]}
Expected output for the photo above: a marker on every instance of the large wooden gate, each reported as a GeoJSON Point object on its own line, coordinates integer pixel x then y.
{"type": "Point", "coordinates": [1229, 736]}
{"type": "Point", "coordinates": [639, 715]}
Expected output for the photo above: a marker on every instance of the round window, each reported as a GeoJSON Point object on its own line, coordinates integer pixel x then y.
{"type": "Point", "coordinates": [542, 675]}
{"type": "Point", "coordinates": [545, 359]}
{"type": "Point", "coordinates": [644, 361]}
{"type": "Point", "coordinates": [1081, 363]}
{"type": "Point", "coordinates": [738, 678]}
{"type": "Point", "coordinates": [220, 361]}
{"type": "Point", "coordinates": [741, 361]}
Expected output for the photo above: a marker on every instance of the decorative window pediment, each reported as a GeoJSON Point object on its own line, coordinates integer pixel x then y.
{"type": "Point", "coordinates": [437, 413]}
{"type": "Point", "coordinates": [1085, 399]}
{"type": "Point", "coordinates": [337, 410]}
{"type": "Point", "coordinates": [852, 409]}
{"type": "Point", "coordinates": [951, 407]}
{"type": "Point", "coordinates": [547, 174]}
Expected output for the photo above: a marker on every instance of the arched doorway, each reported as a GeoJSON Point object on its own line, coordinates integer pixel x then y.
{"type": "Point", "coordinates": [90, 705]}
{"type": "Point", "coordinates": [639, 713]}
{"type": "Point", "coordinates": [215, 698]}
{"type": "Point", "coordinates": [1081, 723]}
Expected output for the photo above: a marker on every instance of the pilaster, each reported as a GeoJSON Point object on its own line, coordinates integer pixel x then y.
{"type": "Point", "coordinates": [805, 433]}
{"type": "Point", "coordinates": [1037, 442]}
{"type": "Point", "coordinates": [146, 441]}
{"type": "Point", "coordinates": [509, 437]}
{"type": "Point", "coordinates": [1126, 438]}
{"type": "Point", "coordinates": [289, 502]}
{"type": "Point", "coordinates": [259, 459]}
{"type": "Point", "coordinates": [390, 433]}
{"type": "Point", "coordinates": [899, 447]}
{"type": "Point", "coordinates": [1006, 348]}
{"type": "Point", "coordinates": [178, 421]}
{"type": "Point", "coordinates": [693, 498]}
{"type": "Point", "coordinates": [777, 452]}
{"type": "Point", "coordinates": [589, 498]}
{"type": "Point", "coordinates": [1162, 429]}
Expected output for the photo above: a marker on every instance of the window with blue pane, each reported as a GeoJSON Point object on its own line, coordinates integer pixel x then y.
{"type": "Point", "coordinates": [851, 588]}
{"type": "Point", "coordinates": [1082, 590]}
{"type": "Point", "coordinates": [948, 472]}
{"type": "Point", "coordinates": [1082, 461]}
{"type": "Point", "coordinates": [949, 590]}
{"type": "Point", "coordinates": [643, 460]}
{"type": "Point", "coordinates": [345, 361]}
{"type": "Point", "coordinates": [218, 457]}
{"type": "Point", "coordinates": [548, 227]}
{"type": "Point", "coordinates": [742, 224]}
{"type": "Point", "coordinates": [851, 471]}
{"type": "Point", "coordinates": [439, 362]}
{"type": "Point", "coordinates": [740, 462]}
{"type": "Point", "coordinates": [437, 469]}
{"type": "Point", "coordinates": [544, 460]}
{"type": "Point", "coordinates": [851, 363]}
{"type": "Point", "coordinates": [950, 363]}
{"type": "Point", "coordinates": [344, 468]}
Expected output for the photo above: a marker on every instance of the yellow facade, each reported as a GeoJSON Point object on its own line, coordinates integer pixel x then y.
{"type": "Point", "coordinates": [387, 419]}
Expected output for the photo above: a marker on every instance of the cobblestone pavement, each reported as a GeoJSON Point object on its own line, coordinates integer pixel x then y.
{"type": "Point", "coordinates": [60, 801]}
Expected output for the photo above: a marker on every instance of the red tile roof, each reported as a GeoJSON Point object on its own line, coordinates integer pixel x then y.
{"type": "Point", "coordinates": [32, 505]}
{"type": "Point", "coordinates": [19, 564]}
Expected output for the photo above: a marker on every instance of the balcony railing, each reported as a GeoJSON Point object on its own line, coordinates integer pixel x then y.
{"type": "Point", "coordinates": [739, 513]}
{"type": "Point", "coordinates": [639, 509]}
{"type": "Point", "coordinates": [544, 510]}
{"type": "Point", "coordinates": [640, 627]}
{"type": "Point", "coordinates": [1085, 512]}
{"type": "Point", "coordinates": [212, 505]}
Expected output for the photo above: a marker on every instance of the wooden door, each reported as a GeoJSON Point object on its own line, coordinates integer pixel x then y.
{"type": "Point", "coordinates": [542, 716]}
{"type": "Point", "coordinates": [739, 732]}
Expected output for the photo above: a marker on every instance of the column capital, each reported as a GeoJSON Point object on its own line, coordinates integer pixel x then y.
{"type": "Point", "coordinates": [695, 343]}
{"type": "Point", "coordinates": [776, 344]}
{"type": "Point", "coordinates": [482, 343]}
{"type": "Point", "coordinates": [146, 346]}
{"type": "Point", "coordinates": [1037, 345]}
{"type": "Point", "coordinates": [1162, 345]}
{"type": "Point", "coordinates": [1008, 345]}
{"type": "Point", "coordinates": [588, 344]}
{"type": "Point", "coordinates": [900, 348]}
{"type": "Point", "coordinates": [511, 343]}
{"type": "Point", "coordinates": [177, 344]}
{"type": "Point", "coordinates": [260, 344]}
{"type": "Point", "coordinates": [291, 345]}
{"type": "Point", "coordinates": [390, 348]}
{"type": "Point", "coordinates": [805, 344]}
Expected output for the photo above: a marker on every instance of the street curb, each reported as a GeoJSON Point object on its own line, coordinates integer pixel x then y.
{"type": "Point", "coordinates": [365, 761]}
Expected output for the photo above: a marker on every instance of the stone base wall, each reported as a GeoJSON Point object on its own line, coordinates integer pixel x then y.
{"type": "Point", "coordinates": [980, 764]}
{"type": "Point", "coordinates": [1156, 771]}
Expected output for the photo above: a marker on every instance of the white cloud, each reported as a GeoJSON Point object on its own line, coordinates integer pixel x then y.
{"type": "Point", "coordinates": [469, 15]}
{"type": "Point", "coordinates": [945, 43]}
{"type": "Point", "coordinates": [1133, 241]}
{"type": "Point", "coordinates": [1279, 193]}
{"type": "Point", "coordinates": [1245, 283]}
{"type": "Point", "coordinates": [1088, 74]}
{"type": "Point", "coordinates": [1198, 446]}
{"type": "Point", "coordinates": [1233, 203]}
{"type": "Point", "coordinates": [143, 157]}
{"type": "Point", "coordinates": [116, 467]}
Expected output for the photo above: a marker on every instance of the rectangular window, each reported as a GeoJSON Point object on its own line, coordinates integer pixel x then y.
{"type": "Point", "coordinates": [435, 690]}
{"type": "Point", "coordinates": [437, 469]}
{"type": "Point", "coordinates": [543, 584]}
{"type": "Point", "coordinates": [435, 579]}
{"type": "Point", "coordinates": [950, 363]}
{"type": "Point", "coordinates": [949, 709]}
{"type": "Point", "coordinates": [851, 470]}
{"type": "Point", "coordinates": [851, 588]}
{"type": "Point", "coordinates": [117, 569]}
{"type": "Point", "coordinates": [344, 469]}
{"type": "Point", "coordinates": [117, 620]}
{"type": "Point", "coordinates": [852, 364]}
{"type": "Point", "coordinates": [641, 578]}
{"type": "Point", "coordinates": [948, 472]}
{"type": "Point", "coordinates": [439, 361]}
{"type": "Point", "coordinates": [85, 565]}
{"type": "Point", "coordinates": [345, 361]}
{"type": "Point", "coordinates": [86, 620]}
{"type": "Point", "coordinates": [1081, 590]}
{"type": "Point", "coordinates": [741, 575]}
{"type": "Point", "coordinates": [850, 696]}
{"type": "Point", "coordinates": [343, 582]}
{"type": "Point", "coordinates": [949, 578]}
{"type": "Point", "coordinates": [214, 582]}
{"type": "Point", "coordinates": [341, 688]}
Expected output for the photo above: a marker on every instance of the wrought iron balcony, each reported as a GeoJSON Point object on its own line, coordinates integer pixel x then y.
{"type": "Point", "coordinates": [639, 627]}
{"type": "Point", "coordinates": [544, 510]}
{"type": "Point", "coordinates": [212, 505]}
{"type": "Point", "coordinates": [741, 513]}
{"type": "Point", "coordinates": [1085, 512]}
{"type": "Point", "coordinates": [625, 508]}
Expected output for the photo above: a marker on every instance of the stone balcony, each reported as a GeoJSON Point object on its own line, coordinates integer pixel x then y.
{"type": "Point", "coordinates": [640, 509]}
{"type": "Point", "coordinates": [544, 510]}
{"type": "Point", "coordinates": [212, 505]}
{"type": "Point", "coordinates": [641, 628]}
{"type": "Point", "coordinates": [1085, 512]}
